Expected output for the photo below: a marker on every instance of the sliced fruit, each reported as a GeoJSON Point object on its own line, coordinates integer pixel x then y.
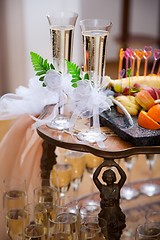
{"type": "Point", "coordinates": [144, 99]}
{"type": "Point", "coordinates": [129, 103]}
{"type": "Point", "coordinates": [154, 112]}
{"type": "Point", "coordinates": [147, 122]}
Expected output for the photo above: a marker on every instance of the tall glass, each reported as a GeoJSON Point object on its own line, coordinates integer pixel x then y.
{"type": "Point", "coordinates": [95, 34]}
{"type": "Point", "coordinates": [61, 36]}
{"type": "Point", "coordinates": [14, 200]}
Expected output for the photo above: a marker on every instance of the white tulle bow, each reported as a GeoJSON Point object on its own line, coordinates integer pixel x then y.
{"type": "Point", "coordinates": [89, 101]}
{"type": "Point", "coordinates": [30, 100]}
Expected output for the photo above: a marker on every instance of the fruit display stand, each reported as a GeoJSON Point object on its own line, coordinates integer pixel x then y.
{"type": "Point", "coordinates": [115, 147]}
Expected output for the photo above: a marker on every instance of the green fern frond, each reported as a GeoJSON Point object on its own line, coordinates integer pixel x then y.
{"type": "Point", "coordinates": [40, 65]}
{"type": "Point", "coordinates": [75, 71]}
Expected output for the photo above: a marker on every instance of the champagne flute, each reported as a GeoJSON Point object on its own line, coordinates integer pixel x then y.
{"type": "Point", "coordinates": [47, 196]}
{"type": "Point", "coordinates": [128, 192]}
{"type": "Point", "coordinates": [14, 200]}
{"type": "Point", "coordinates": [36, 213]}
{"type": "Point", "coordinates": [15, 194]}
{"type": "Point", "coordinates": [61, 177]}
{"type": "Point", "coordinates": [68, 205]}
{"type": "Point", "coordinates": [15, 223]}
{"type": "Point", "coordinates": [62, 26]}
{"type": "Point", "coordinates": [92, 162]}
{"type": "Point", "coordinates": [76, 160]}
{"type": "Point", "coordinates": [62, 228]}
{"type": "Point", "coordinates": [149, 188]}
{"type": "Point", "coordinates": [90, 228]}
{"type": "Point", "coordinates": [95, 34]}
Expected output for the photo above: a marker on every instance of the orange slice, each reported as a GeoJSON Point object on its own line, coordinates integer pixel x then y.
{"type": "Point", "coordinates": [154, 112]}
{"type": "Point", "coordinates": [147, 122]}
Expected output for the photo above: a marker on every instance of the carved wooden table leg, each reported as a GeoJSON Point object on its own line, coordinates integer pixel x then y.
{"type": "Point", "coordinates": [47, 161]}
{"type": "Point", "coordinates": [110, 196]}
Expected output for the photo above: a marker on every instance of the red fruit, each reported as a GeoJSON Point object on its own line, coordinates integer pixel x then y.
{"type": "Point", "coordinates": [154, 92]}
{"type": "Point", "coordinates": [144, 99]}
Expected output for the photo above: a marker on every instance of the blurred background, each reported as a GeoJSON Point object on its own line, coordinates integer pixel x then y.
{"type": "Point", "coordinates": [24, 28]}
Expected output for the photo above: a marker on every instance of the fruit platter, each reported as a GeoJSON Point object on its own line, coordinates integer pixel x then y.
{"type": "Point", "coordinates": [139, 95]}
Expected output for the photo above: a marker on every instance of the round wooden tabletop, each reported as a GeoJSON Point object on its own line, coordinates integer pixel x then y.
{"type": "Point", "coordinates": [114, 147]}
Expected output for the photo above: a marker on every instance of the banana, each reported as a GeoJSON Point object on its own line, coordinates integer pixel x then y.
{"type": "Point", "coordinates": [120, 84]}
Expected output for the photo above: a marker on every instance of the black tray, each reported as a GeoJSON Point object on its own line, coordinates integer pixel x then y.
{"type": "Point", "coordinates": [137, 135]}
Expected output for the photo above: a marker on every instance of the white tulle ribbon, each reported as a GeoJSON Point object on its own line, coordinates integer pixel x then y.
{"type": "Point", "coordinates": [89, 102]}
{"type": "Point", "coordinates": [57, 84]}
{"type": "Point", "coordinates": [30, 100]}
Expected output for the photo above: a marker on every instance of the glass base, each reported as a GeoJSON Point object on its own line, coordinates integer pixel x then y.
{"type": "Point", "coordinates": [150, 189]}
{"type": "Point", "coordinates": [91, 206]}
{"type": "Point", "coordinates": [60, 123]}
{"type": "Point", "coordinates": [92, 136]}
{"type": "Point", "coordinates": [129, 193]}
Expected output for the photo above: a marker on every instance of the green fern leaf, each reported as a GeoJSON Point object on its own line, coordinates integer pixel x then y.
{"type": "Point", "coordinates": [75, 71]}
{"type": "Point", "coordinates": [40, 65]}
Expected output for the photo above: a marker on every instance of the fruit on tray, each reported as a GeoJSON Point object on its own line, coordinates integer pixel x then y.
{"type": "Point", "coordinates": [145, 121]}
{"type": "Point", "coordinates": [129, 103]}
{"type": "Point", "coordinates": [144, 99]}
{"type": "Point", "coordinates": [154, 92]}
{"type": "Point", "coordinates": [120, 84]}
{"type": "Point", "coordinates": [154, 112]}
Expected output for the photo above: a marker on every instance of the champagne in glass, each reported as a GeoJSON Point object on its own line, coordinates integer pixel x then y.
{"type": "Point", "coordinates": [61, 176]}
{"type": "Point", "coordinates": [34, 231]}
{"type": "Point", "coordinates": [13, 199]}
{"type": "Point", "coordinates": [76, 160]}
{"type": "Point", "coordinates": [36, 213]}
{"type": "Point", "coordinates": [15, 223]}
{"type": "Point", "coordinates": [63, 227]}
{"type": "Point", "coordinates": [95, 34]}
{"type": "Point", "coordinates": [92, 162]}
{"type": "Point", "coordinates": [62, 45]}
{"type": "Point", "coordinates": [62, 36]}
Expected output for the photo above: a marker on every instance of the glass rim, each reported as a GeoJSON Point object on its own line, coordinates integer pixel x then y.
{"type": "Point", "coordinates": [142, 227]}
{"type": "Point", "coordinates": [41, 227]}
{"type": "Point", "coordinates": [61, 13]}
{"type": "Point", "coordinates": [95, 21]}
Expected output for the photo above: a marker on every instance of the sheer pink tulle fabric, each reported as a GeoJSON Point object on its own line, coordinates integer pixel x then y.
{"type": "Point", "coordinates": [20, 154]}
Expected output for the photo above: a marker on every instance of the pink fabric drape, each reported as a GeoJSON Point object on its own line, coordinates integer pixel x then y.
{"type": "Point", "coordinates": [20, 154]}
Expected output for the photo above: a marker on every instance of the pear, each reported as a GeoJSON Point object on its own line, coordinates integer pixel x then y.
{"type": "Point", "coordinates": [129, 103]}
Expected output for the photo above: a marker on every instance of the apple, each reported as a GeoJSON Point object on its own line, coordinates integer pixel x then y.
{"type": "Point", "coordinates": [154, 92]}
{"type": "Point", "coordinates": [129, 103]}
{"type": "Point", "coordinates": [144, 99]}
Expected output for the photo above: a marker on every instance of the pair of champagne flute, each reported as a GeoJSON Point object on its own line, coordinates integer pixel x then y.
{"type": "Point", "coordinates": [95, 34]}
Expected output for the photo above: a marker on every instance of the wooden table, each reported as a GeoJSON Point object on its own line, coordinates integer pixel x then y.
{"type": "Point", "coordinates": [115, 147]}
